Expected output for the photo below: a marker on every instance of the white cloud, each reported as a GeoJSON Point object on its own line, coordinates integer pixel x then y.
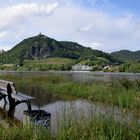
{"type": "Point", "coordinates": [100, 30]}
{"type": "Point", "coordinates": [85, 28]}
{"type": "Point", "coordinates": [14, 14]}
{"type": "Point", "coordinates": [114, 32]}
{"type": "Point", "coordinates": [93, 45]}
{"type": "Point", "coordinates": [5, 47]}
{"type": "Point", "coordinates": [3, 34]}
{"type": "Point", "coordinates": [17, 21]}
{"type": "Point", "coordinates": [83, 2]}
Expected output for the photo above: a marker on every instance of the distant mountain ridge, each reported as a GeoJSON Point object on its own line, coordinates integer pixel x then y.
{"type": "Point", "coordinates": [41, 46]}
{"type": "Point", "coordinates": [126, 55]}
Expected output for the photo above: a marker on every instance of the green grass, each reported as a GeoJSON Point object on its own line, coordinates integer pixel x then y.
{"type": "Point", "coordinates": [83, 62]}
{"type": "Point", "coordinates": [95, 129]}
{"type": "Point", "coordinates": [24, 133]}
{"type": "Point", "coordinates": [53, 63]}
{"type": "Point", "coordinates": [7, 65]}
{"type": "Point", "coordinates": [104, 59]}
{"type": "Point", "coordinates": [52, 60]}
{"type": "Point", "coordinates": [100, 128]}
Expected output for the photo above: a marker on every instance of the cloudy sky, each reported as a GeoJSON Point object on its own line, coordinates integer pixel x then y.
{"type": "Point", "coordinates": [107, 25]}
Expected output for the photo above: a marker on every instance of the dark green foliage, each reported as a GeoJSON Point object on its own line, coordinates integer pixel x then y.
{"type": "Point", "coordinates": [127, 56]}
{"type": "Point", "coordinates": [130, 67]}
{"type": "Point", "coordinates": [41, 46]}
{"type": "Point", "coordinates": [125, 83]}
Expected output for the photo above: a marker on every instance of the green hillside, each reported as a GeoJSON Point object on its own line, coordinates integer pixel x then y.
{"type": "Point", "coordinates": [127, 56]}
{"type": "Point", "coordinates": [42, 47]}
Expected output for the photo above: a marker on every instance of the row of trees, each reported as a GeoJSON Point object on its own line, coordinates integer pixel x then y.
{"type": "Point", "coordinates": [130, 67]}
{"type": "Point", "coordinates": [44, 67]}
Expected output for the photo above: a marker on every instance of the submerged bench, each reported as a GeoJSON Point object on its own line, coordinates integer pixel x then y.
{"type": "Point", "coordinates": [8, 89]}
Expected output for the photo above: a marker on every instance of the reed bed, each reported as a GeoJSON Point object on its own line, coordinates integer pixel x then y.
{"type": "Point", "coordinates": [123, 93]}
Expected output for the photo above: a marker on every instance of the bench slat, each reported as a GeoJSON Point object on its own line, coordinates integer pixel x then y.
{"type": "Point", "coordinates": [3, 85]}
{"type": "Point", "coordinates": [6, 82]}
{"type": "Point", "coordinates": [3, 92]}
{"type": "Point", "coordinates": [16, 95]}
{"type": "Point", "coordinates": [21, 97]}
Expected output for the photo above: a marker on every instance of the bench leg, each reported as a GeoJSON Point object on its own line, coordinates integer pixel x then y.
{"type": "Point", "coordinates": [29, 106]}
{"type": "Point", "coordinates": [13, 105]}
{"type": "Point", "coordinates": [4, 106]}
{"type": "Point", "coordinates": [11, 111]}
{"type": "Point", "coordinates": [3, 97]}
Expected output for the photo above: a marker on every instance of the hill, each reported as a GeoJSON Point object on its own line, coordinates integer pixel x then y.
{"type": "Point", "coordinates": [127, 56]}
{"type": "Point", "coordinates": [41, 47]}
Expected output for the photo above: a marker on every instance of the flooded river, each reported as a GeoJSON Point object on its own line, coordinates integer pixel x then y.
{"type": "Point", "coordinates": [79, 110]}
{"type": "Point", "coordinates": [73, 109]}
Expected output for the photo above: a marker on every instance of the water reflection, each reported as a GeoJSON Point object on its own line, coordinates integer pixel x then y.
{"type": "Point", "coordinates": [81, 76]}
{"type": "Point", "coordinates": [42, 97]}
{"type": "Point", "coordinates": [79, 110]}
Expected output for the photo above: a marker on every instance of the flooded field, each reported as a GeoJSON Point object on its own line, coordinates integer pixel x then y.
{"type": "Point", "coordinates": [65, 109]}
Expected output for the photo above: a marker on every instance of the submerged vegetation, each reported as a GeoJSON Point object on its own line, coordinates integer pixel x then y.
{"type": "Point", "coordinates": [123, 93]}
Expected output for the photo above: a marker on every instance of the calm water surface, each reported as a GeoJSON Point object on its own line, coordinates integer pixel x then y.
{"type": "Point", "coordinates": [79, 110]}
{"type": "Point", "coordinates": [81, 76]}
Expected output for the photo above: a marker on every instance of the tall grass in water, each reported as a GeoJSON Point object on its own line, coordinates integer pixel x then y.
{"type": "Point", "coordinates": [100, 129]}
{"type": "Point", "coordinates": [122, 93]}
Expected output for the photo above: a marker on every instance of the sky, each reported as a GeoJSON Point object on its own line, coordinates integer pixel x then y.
{"type": "Point", "coordinates": [107, 25]}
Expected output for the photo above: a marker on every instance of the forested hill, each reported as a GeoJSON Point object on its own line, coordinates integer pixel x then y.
{"type": "Point", "coordinates": [127, 56]}
{"type": "Point", "coordinates": [41, 46]}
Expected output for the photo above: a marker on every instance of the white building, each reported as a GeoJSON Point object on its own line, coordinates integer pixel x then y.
{"type": "Point", "coordinates": [80, 67]}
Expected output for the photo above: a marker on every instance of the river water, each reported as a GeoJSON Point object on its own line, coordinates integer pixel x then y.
{"type": "Point", "coordinates": [73, 109]}
{"type": "Point", "coordinates": [81, 76]}
{"type": "Point", "coordinates": [79, 110]}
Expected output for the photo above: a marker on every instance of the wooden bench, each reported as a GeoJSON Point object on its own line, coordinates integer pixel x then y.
{"type": "Point", "coordinates": [8, 89]}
